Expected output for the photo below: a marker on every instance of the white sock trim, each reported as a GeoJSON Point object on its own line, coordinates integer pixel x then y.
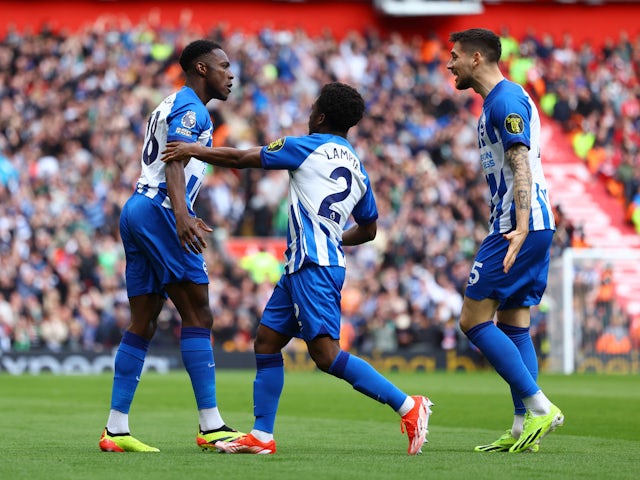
{"type": "Point", "coordinates": [517, 426]}
{"type": "Point", "coordinates": [118, 422]}
{"type": "Point", "coordinates": [406, 406]}
{"type": "Point", "coordinates": [538, 404]}
{"type": "Point", "coordinates": [210, 419]}
{"type": "Point", "coordinates": [262, 436]}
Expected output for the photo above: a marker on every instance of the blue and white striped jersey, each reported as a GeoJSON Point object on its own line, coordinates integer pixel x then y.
{"type": "Point", "coordinates": [327, 185]}
{"type": "Point", "coordinates": [180, 117]}
{"type": "Point", "coordinates": [509, 116]}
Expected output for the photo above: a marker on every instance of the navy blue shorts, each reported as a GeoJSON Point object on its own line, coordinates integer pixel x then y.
{"type": "Point", "coordinates": [306, 303]}
{"type": "Point", "coordinates": [525, 283]}
{"type": "Point", "coordinates": [154, 256]}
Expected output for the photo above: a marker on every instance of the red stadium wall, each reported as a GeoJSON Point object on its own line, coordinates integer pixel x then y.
{"type": "Point", "coordinates": [585, 22]}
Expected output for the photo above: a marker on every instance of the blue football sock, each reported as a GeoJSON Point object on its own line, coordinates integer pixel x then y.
{"type": "Point", "coordinates": [504, 356]}
{"type": "Point", "coordinates": [127, 370]}
{"type": "Point", "coordinates": [366, 379]}
{"type": "Point", "coordinates": [522, 340]}
{"type": "Point", "coordinates": [197, 356]}
{"type": "Point", "coordinates": [267, 389]}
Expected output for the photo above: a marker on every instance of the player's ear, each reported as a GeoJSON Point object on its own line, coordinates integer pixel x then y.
{"type": "Point", "coordinates": [201, 68]}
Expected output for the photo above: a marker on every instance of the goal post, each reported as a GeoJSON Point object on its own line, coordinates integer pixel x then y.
{"type": "Point", "coordinates": [593, 302]}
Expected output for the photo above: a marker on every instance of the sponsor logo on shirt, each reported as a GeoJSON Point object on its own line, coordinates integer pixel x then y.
{"type": "Point", "coordinates": [185, 132]}
{"type": "Point", "coordinates": [487, 160]}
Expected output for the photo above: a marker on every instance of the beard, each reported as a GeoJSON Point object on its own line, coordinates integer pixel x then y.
{"type": "Point", "coordinates": [462, 83]}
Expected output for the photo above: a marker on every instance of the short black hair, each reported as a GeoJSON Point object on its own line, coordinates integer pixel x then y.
{"type": "Point", "coordinates": [195, 50]}
{"type": "Point", "coordinates": [481, 40]}
{"type": "Point", "coordinates": [342, 105]}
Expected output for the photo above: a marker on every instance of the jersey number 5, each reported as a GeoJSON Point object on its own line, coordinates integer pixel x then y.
{"type": "Point", "coordinates": [474, 276]}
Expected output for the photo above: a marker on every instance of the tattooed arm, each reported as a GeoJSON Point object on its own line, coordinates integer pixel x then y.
{"type": "Point", "coordinates": [518, 159]}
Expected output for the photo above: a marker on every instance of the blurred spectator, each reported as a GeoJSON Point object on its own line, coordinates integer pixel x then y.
{"type": "Point", "coordinates": [263, 266]}
{"type": "Point", "coordinates": [538, 329]}
{"type": "Point", "coordinates": [615, 338]}
{"type": "Point", "coordinates": [633, 210]}
{"type": "Point", "coordinates": [73, 108]}
{"type": "Point", "coordinates": [605, 295]}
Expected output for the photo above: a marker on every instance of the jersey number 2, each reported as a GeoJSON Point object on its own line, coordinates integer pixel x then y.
{"type": "Point", "coordinates": [325, 207]}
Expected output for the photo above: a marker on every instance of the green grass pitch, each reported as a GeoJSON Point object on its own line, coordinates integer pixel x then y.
{"type": "Point", "coordinates": [50, 427]}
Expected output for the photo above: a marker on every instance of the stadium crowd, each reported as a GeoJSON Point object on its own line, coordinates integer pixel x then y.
{"type": "Point", "coordinates": [73, 110]}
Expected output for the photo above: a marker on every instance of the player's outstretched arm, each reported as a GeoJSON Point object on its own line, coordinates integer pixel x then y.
{"type": "Point", "coordinates": [359, 234]}
{"type": "Point", "coordinates": [219, 156]}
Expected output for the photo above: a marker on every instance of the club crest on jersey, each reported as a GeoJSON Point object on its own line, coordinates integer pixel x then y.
{"type": "Point", "coordinates": [514, 123]}
{"type": "Point", "coordinates": [275, 145]}
{"type": "Point", "coordinates": [189, 119]}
